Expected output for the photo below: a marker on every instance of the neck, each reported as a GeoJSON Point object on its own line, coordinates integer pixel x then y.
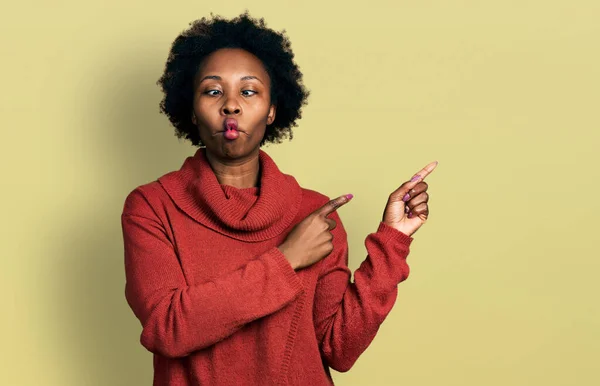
{"type": "Point", "coordinates": [240, 173]}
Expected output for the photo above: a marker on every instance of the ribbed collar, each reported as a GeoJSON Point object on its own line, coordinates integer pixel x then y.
{"type": "Point", "coordinates": [251, 214]}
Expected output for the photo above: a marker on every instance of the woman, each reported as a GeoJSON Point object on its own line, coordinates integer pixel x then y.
{"type": "Point", "coordinates": [237, 274]}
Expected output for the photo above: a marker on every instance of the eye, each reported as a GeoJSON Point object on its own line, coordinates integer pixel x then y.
{"type": "Point", "coordinates": [255, 92]}
{"type": "Point", "coordinates": [210, 91]}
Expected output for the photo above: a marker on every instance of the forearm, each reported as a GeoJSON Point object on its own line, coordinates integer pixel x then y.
{"type": "Point", "coordinates": [178, 318]}
{"type": "Point", "coordinates": [190, 318]}
{"type": "Point", "coordinates": [346, 327]}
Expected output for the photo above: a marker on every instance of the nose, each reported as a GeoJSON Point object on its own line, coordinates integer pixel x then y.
{"type": "Point", "coordinates": [230, 106]}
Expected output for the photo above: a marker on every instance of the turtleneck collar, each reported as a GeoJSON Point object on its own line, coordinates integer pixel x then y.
{"type": "Point", "coordinates": [251, 214]}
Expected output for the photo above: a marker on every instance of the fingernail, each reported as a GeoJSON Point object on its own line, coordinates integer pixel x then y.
{"type": "Point", "coordinates": [349, 196]}
{"type": "Point", "coordinates": [415, 178]}
{"type": "Point", "coordinates": [410, 215]}
{"type": "Point", "coordinates": [406, 197]}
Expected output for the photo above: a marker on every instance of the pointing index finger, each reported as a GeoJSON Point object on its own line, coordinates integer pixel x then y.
{"type": "Point", "coordinates": [333, 205]}
{"type": "Point", "coordinates": [425, 171]}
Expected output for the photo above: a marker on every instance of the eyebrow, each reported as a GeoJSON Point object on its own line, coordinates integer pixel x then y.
{"type": "Point", "coordinates": [216, 77]}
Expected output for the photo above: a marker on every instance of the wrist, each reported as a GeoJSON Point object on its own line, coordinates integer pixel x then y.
{"type": "Point", "coordinates": [391, 232]}
{"type": "Point", "coordinates": [285, 252]}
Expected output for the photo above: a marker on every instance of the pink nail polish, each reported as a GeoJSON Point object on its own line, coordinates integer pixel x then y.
{"type": "Point", "coordinates": [406, 197]}
{"type": "Point", "coordinates": [349, 196]}
{"type": "Point", "coordinates": [415, 178]}
{"type": "Point", "coordinates": [410, 215]}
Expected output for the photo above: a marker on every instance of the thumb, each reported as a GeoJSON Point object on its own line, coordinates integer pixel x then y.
{"type": "Point", "coordinates": [333, 205]}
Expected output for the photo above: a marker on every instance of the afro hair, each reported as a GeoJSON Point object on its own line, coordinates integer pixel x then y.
{"type": "Point", "coordinates": [205, 36]}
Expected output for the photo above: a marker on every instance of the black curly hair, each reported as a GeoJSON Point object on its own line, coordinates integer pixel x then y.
{"type": "Point", "coordinates": [205, 36]}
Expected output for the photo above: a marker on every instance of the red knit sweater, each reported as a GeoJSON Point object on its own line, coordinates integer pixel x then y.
{"type": "Point", "coordinates": [218, 302]}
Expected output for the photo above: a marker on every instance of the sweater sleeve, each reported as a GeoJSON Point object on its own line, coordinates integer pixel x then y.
{"type": "Point", "coordinates": [178, 318]}
{"type": "Point", "coordinates": [347, 315]}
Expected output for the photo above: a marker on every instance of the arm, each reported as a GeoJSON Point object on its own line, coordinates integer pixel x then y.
{"type": "Point", "coordinates": [348, 315]}
{"type": "Point", "coordinates": [178, 318]}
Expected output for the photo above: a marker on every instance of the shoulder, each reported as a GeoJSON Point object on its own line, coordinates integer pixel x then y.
{"type": "Point", "coordinates": [145, 199]}
{"type": "Point", "coordinates": [313, 198]}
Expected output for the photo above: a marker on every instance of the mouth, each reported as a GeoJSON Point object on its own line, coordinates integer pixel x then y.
{"type": "Point", "coordinates": [231, 131]}
{"type": "Point", "coordinates": [230, 124]}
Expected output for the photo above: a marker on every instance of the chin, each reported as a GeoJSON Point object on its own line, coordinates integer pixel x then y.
{"type": "Point", "coordinates": [232, 150]}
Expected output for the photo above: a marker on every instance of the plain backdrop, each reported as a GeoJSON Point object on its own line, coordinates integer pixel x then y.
{"type": "Point", "coordinates": [504, 282]}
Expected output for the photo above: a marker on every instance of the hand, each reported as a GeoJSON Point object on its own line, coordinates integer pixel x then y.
{"type": "Point", "coordinates": [407, 209]}
{"type": "Point", "coordinates": [310, 240]}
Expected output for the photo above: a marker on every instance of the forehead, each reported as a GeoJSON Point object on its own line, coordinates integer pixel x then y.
{"type": "Point", "coordinates": [232, 60]}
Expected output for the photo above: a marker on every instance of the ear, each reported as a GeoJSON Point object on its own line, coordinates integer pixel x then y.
{"type": "Point", "coordinates": [194, 121]}
{"type": "Point", "coordinates": [271, 115]}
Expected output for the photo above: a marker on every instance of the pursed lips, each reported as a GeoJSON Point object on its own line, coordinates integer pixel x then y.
{"type": "Point", "coordinates": [230, 123]}
{"type": "Point", "coordinates": [222, 131]}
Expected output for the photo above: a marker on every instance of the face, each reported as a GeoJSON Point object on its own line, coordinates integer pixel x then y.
{"type": "Point", "coordinates": [232, 83]}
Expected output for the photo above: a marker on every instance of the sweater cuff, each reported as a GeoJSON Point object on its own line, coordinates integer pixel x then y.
{"type": "Point", "coordinates": [287, 270]}
{"type": "Point", "coordinates": [390, 233]}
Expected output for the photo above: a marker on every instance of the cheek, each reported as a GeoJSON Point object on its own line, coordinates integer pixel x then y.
{"type": "Point", "coordinates": [262, 113]}
{"type": "Point", "coordinates": [203, 115]}
{"type": "Point", "coordinates": [199, 108]}
{"type": "Point", "coordinates": [263, 116]}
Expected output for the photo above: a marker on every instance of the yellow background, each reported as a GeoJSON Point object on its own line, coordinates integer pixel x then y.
{"type": "Point", "coordinates": [504, 277]}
